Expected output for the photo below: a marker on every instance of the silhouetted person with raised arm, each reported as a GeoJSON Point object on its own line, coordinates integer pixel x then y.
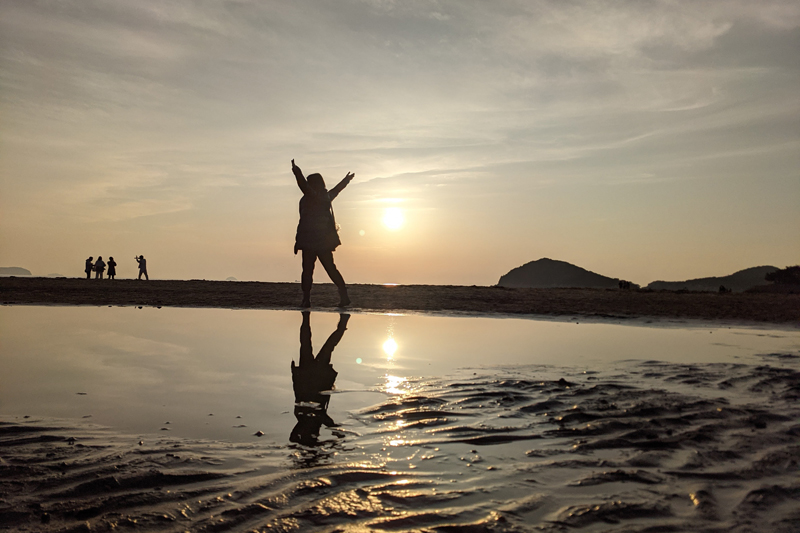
{"type": "Point", "coordinates": [99, 267]}
{"type": "Point", "coordinates": [89, 267]}
{"type": "Point", "coordinates": [142, 267]}
{"type": "Point", "coordinates": [310, 379]}
{"type": "Point", "coordinates": [112, 268]}
{"type": "Point", "coordinates": [316, 232]}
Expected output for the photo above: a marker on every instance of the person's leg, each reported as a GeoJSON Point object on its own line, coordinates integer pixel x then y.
{"type": "Point", "coordinates": [324, 355]}
{"type": "Point", "coordinates": [146, 277]}
{"type": "Point", "coordinates": [306, 348]}
{"type": "Point", "coordinates": [307, 277]}
{"type": "Point", "coordinates": [326, 258]}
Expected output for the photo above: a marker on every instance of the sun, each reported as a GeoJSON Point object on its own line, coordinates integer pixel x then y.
{"type": "Point", "coordinates": [393, 218]}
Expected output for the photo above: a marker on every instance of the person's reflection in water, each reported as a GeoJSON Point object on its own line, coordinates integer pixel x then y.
{"type": "Point", "coordinates": [313, 379]}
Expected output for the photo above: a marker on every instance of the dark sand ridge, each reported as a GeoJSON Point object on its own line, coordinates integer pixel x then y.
{"type": "Point", "coordinates": [599, 303]}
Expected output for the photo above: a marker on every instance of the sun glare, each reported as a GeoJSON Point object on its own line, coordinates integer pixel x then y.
{"type": "Point", "coordinates": [393, 218]}
{"type": "Point", "coordinates": [390, 346]}
{"type": "Point", "coordinates": [395, 384]}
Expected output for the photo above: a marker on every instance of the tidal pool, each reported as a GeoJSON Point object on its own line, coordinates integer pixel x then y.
{"type": "Point", "coordinates": [225, 374]}
{"type": "Point", "coordinates": [232, 420]}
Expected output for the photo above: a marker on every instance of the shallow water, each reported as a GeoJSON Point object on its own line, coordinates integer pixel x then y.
{"type": "Point", "coordinates": [200, 369]}
{"type": "Point", "coordinates": [504, 424]}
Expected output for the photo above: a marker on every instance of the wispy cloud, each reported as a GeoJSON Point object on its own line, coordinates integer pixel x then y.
{"type": "Point", "coordinates": [114, 109]}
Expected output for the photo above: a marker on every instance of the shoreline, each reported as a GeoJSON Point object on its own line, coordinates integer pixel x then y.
{"type": "Point", "coordinates": [595, 304]}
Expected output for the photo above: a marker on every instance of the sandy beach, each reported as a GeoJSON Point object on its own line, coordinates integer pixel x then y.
{"type": "Point", "coordinates": [773, 308]}
{"type": "Point", "coordinates": [621, 178]}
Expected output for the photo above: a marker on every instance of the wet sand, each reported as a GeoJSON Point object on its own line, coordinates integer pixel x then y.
{"type": "Point", "coordinates": [775, 308]}
{"type": "Point", "coordinates": [635, 447]}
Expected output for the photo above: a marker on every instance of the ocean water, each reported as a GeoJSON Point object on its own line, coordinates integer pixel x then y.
{"type": "Point", "coordinates": [221, 420]}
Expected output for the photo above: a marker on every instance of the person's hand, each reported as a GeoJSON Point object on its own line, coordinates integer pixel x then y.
{"type": "Point", "coordinates": [293, 165]}
{"type": "Point", "coordinates": [349, 176]}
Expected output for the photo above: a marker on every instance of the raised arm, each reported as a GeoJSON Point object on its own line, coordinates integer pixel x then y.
{"type": "Point", "coordinates": [301, 180]}
{"type": "Point", "coordinates": [333, 193]}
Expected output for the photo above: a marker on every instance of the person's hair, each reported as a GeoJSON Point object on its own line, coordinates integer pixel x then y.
{"type": "Point", "coordinates": [110, 258]}
{"type": "Point", "coordinates": [315, 181]}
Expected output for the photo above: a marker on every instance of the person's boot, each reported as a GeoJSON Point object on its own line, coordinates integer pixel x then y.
{"type": "Point", "coordinates": [344, 300]}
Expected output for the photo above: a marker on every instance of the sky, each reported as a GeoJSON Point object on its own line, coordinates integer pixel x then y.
{"type": "Point", "coordinates": [644, 140]}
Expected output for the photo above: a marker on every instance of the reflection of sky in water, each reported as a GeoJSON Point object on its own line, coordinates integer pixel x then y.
{"type": "Point", "coordinates": [202, 373]}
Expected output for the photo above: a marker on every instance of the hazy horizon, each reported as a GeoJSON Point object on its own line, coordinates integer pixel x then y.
{"type": "Point", "coordinates": [646, 141]}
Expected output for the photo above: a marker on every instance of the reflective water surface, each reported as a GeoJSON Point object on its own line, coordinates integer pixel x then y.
{"type": "Point", "coordinates": [218, 420]}
{"type": "Point", "coordinates": [226, 374]}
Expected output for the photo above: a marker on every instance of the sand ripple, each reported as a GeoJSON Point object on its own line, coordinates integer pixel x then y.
{"type": "Point", "coordinates": [635, 447]}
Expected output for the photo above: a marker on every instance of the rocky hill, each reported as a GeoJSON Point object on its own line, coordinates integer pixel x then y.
{"type": "Point", "coordinates": [549, 273]}
{"type": "Point", "coordinates": [738, 281]}
{"type": "Point", "coordinates": [14, 271]}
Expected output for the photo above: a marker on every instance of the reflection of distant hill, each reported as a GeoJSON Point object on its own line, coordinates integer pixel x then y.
{"type": "Point", "coordinates": [549, 273]}
{"type": "Point", "coordinates": [14, 271]}
{"type": "Point", "coordinates": [738, 282]}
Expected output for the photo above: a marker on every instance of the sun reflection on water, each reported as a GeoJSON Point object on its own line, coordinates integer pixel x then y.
{"type": "Point", "coordinates": [390, 347]}
{"type": "Point", "coordinates": [395, 384]}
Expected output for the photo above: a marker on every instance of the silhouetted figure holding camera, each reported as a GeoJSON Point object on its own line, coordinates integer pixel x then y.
{"type": "Point", "coordinates": [316, 232]}
{"type": "Point", "coordinates": [142, 267]}
{"type": "Point", "coordinates": [311, 378]}
{"type": "Point", "coordinates": [89, 267]}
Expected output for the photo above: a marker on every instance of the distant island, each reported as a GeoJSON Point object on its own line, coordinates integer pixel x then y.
{"type": "Point", "coordinates": [550, 274]}
{"type": "Point", "coordinates": [737, 282]}
{"type": "Point", "coordinates": [14, 271]}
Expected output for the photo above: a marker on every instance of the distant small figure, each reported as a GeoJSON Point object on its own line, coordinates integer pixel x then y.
{"type": "Point", "coordinates": [99, 267]}
{"type": "Point", "coordinates": [142, 267]}
{"type": "Point", "coordinates": [112, 268]}
{"type": "Point", "coordinates": [723, 289]}
{"type": "Point", "coordinates": [317, 234]}
{"type": "Point", "coordinates": [89, 267]}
